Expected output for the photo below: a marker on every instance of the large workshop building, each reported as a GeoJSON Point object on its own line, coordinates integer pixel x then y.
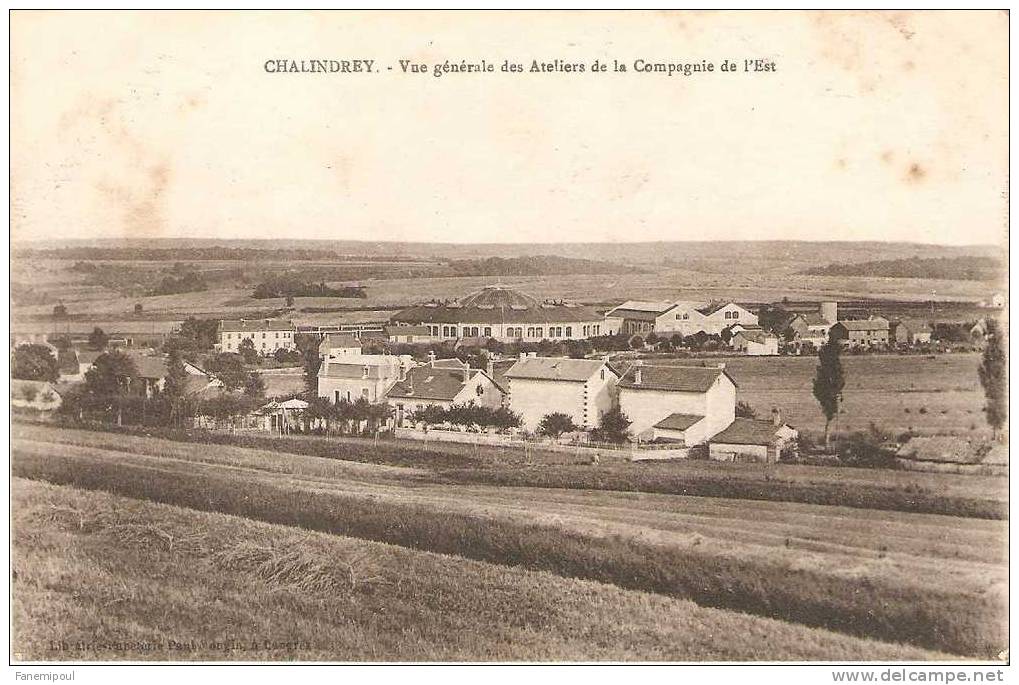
{"type": "Point", "coordinates": [505, 314]}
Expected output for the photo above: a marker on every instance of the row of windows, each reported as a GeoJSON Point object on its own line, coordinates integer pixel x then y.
{"type": "Point", "coordinates": [241, 336]}
{"type": "Point", "coordinates": [337, 397]}
{"type": "Point", "coordinates": [732, 315]}
{"type": "Point", "coordinates": [537, 332]}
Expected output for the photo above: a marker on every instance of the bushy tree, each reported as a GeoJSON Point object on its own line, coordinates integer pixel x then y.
{"type": "Point", "coordinates": [174, 386]}
{"type": "Point", "coordinates": [555, 424]}
{"type": "Point", "coordinates": [247, 351]}
{"type": "Point", "coordinates": [107, 384]}
{"type": "Point", "coordinates": [614, 427]}
{"type": "Point", "coordinates": [97, 339]}
{"type": "Point", "coordinates": [745, 410]}
{"type": "Point", "coordinates": [33, 362]}
{"type": "Point", "coordinates": [229, 368]}
{"type": "Point", "coordinates": [993, 372]}
{"type": "Point", "coordinates": [254, 386]}
{"type": "Point", "coordinates": [307, 345]}
{"type": "Point", "coordinates": [828, 383]}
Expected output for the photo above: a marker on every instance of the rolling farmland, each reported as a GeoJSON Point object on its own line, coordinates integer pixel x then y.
{"type": "Point", "coordinates": [935, 582]}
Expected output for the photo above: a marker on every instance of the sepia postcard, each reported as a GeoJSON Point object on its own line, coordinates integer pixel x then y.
{"type": "Point", "coordinates": [501, 337]}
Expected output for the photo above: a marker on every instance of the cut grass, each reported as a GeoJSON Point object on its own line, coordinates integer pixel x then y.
{"type": "Point", "coordinates": [931, 493]}
{"type": "Point", "coordinates": [948, 615]}
{"type": "Point", "coordinates": [202, 585]}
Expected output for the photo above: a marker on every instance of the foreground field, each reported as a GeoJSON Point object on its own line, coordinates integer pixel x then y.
{"type": "Point", "coordinates": [909, 491]}
{"type": "Point", "coordinates": [933, 581]}
{"type": "Point", "coordinates": [171, 583]}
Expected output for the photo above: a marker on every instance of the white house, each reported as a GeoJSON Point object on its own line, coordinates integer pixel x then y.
{"type": "Point", "coordinates": [681, 403]}
{"type": "Point", "coordinates": [361, 376]}
{"type": "Point", "coordinates": [584, 389]}
{"type": "Point", "coordinates": [682, 317]}
{"type": "Point", "coordinates": [443, 385]}
{"type": "Point", "coordinates": [336, 345]}
{"type": "Point", "coordinates": [755, 343]}
{"type": "Point", "coordinates": [409, 334]}
{"type": "Point", "coordinates": [753, 440]}
{"type": "Point", "coordinates": [267, 335]}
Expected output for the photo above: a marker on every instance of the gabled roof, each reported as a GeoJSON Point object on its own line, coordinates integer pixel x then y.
{"type": "Point", "coordinates": [679, 422]}
{"type": "Point", "coordinates": [814, 319]}
{"type": "Point", "coordinates": [333, 341]}
{"type": "Point", "coordinates": [352, 366]}
{"type": "Point", "coordinates": [149, 367]}
{"type": "Point", "coordinates": [432, 383]}
{"type": "Point", "coordinates": [641, 306]}
{"type": "Point", "coordinates": [250, 325]}
{"type": "Point", "coordinates": [88, 356]}
{"type": "Point", "coordinates": [748, 432]}
{"type": "Point", "coordinates": [556, 369]}
{"type": "Point", "coordinates": [865, 325]}
{"type": "Point", "coordinates": [673, 378]}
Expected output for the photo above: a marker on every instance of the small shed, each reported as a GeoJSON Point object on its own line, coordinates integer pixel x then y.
{"type": "Point", "coordinates": [679, 428]}
{"type": "Point", "coordinates": [752, 440]}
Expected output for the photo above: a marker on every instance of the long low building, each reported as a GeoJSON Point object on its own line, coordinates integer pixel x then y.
{"type": "Point", "coordinates": [505, 314]}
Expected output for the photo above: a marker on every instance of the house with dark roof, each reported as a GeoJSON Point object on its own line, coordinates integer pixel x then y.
{"type": "Point", "coordinates": [442, 383]}
{"type": "Point", "coordinates": [862, 332]}
{"type": "Point", "coordinates": [687, 404]}
{"type": "Point", "coordinates": [408, 334]}
{"type": "Point", "coordinates": [505, 314]}
{"type": "Point", "coordinates": [584, 389]}
{"type": "Point", "coordinates": [352, 377]}
{"type": "Point", "coordinates": [909, 332]}
{"type": "Point", "coordinates": [753, 440]}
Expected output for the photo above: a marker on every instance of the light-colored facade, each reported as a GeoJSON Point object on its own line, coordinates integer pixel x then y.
{"type": "Point", "coordinates": [649, 395]}
{"type": "Point", "coordinates": [267, 335]}
{"type": "Point", "coordinates": [361, 376]}
{"type": "Point", "coordinates": [505, 314]}
{"type": "Point", "coordinates": [337, 345]}
{"type": "Point", "coordinates": [434, 384]}
{"type": "Point", "coordinates": [584, 389]}
{"type": "Point", "coordinates": [755, 343]}
{"type": "Point", "coordinates": [682, 317]}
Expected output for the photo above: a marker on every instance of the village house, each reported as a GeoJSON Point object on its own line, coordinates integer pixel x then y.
{"type": "Point", "coordinates": [267, 335]}
{"type": "Point", "coordinates": [814, 327]}
{"type": "Point", "coordinates": [151, 372]}
{"type": "Point", "coordinates": [861, 333]}
{"type": "Point", "coordinates": [755, 343]}
{"type": "Point", "coordinates": [909, 332]}
{"type": "Point", "coordinates": [443, 383]}
{"type": "Point", "coordinates": [753, 440]}
{"type": "Point", "coordinates": [682, 317]}
{"type": "Point", "coordinates": [503, 313]}
{"type": "Point", "coordinates": [408, 334]}
{"type": "Point", "coordinates": [351, 377]}
{"type": "Point", "coordinates": [336, 345]}
{"type": "Point", "coordinates": [687, 404]}
{"type": "Point", "coordinates": [74, 364]}
{"type": "Point", "coordinates": [584, 389]}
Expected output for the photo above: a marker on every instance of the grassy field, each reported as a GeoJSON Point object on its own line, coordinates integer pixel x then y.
{"type": "Point", "coordinates": [108, 570]}
{"type": "Point", "coordinates": [910, 491]}
{"type": "Point", "coordinates": [932, 581]}
{"type": "Point", "coordinates": [897, 392]}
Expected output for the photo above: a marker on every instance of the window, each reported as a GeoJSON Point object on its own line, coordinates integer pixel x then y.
{"type": "Point", "coordinates": [569, 331]}
{"type": "Point", "coordinates": [364, 393]}
{"type": "Point", "coordinates": [337, 397]}
{"type": "Point", "coordinates": [365, 371]}
{"type": "Point", "coordinates": [530, 332]}
{"type": "Point", "coordinates": [597, 329]}
{"type": "Point", "coordinates": [587, 331]}
{"type": "Point", "coordinates": [488, 331]}
{"type": "Point", "coordinates": [686, 316]}
{"type": "Point", "coordinates": [479, 391]}
{"type": "Point", "coordinates": [603, 374]}
{"type": "Point", "coordinates": [540, 331]}
{"type": "Point", "coordinates": [263, 336]}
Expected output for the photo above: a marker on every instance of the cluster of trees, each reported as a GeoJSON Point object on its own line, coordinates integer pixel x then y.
{"type": "Point", "coordinates": [187, 282]}
{"type": "Point", "coordinates": [293, 286]}
{"type": "Point", "coordinates": [168, 254]}
{"type": "Point", "coordinates": [31, 362]}
{"type": "Point", "coordinates": [470, 417]}
{"type": "Point", "coordinates": [950, 268]}
{"type": "Point", "coordinates": [540, 265]}
{"type": "Point", "coordinates": [346, 418]}
{"type": "Point", "coordinates": [195, 335]}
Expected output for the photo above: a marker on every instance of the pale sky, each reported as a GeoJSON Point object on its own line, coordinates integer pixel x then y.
{"type": "Point", "coordinates": [875, 126]}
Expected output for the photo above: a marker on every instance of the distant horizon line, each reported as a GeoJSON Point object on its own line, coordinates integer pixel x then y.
{"type": "Point", "coordinates": [29, 241]}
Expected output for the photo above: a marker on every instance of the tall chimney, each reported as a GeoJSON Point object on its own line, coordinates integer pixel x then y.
{"type": "Point", "coordinates": [637, 372]}
{"type": "Point", "coordinates": [776, 417]}
{"type": "Point", "coordinates": [490, 368]}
